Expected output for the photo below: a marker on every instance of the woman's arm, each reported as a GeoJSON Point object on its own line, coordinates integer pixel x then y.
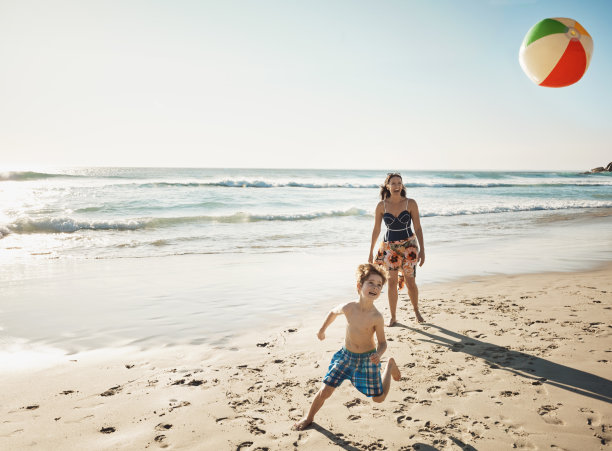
{"type": "Point", "coordinates": [378, 215]}
{"type": "Point", "coordinates": [416, 220]}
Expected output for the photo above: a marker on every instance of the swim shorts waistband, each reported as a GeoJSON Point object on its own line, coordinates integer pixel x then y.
{"type": "Point", "coordinates": [410, 238]}
{"type": "Point", "coordinates": [358, 354]}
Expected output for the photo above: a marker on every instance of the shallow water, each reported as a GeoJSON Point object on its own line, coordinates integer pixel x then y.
{"type": "Point", "coordinates": [165, 257]}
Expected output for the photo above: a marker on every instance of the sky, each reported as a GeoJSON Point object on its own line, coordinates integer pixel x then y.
{"type": "Point", "coordinates": [347, 84]}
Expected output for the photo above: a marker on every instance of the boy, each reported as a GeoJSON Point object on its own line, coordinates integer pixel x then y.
{"type": "Point", "coordinates": [359, 358]}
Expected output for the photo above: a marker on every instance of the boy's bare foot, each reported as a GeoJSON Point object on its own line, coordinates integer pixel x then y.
{"type": "Point", "coordinates": [395, 372]}
{"type": "Point", "coordinates": [302, 424]}
{"type": "Point", "coordinates": [392, 322]}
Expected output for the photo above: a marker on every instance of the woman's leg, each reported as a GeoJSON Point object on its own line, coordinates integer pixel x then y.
{"type": "Point", "coordinates": [393, 295]}
{"type": "Point", "coordinates": [413, 294]}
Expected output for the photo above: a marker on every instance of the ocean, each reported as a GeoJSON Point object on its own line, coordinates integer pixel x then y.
{"type": "Point", "coordinates": [93, 257]}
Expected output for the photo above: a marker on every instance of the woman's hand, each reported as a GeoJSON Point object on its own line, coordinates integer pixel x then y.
{"type": "Point", "coordinates": [421, 257]}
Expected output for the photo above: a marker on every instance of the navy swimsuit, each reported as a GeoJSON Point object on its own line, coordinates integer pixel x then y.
{"type": "Point", "coordinates": [398, 227]}
{"type": "Point", "coordinates": [400, 249]}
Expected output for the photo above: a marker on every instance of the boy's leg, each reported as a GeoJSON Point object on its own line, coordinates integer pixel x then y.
{"type": "Point", "coordinates": [413, 294]}
{"type": "Point", "coordinates": [393, 295]}
{"type": "Point", "coordinates": [324, 392]}
{"type": "Point", "coordinates": [391, 370]}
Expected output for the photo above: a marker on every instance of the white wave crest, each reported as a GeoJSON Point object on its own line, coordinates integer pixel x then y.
{"type": "Point", "coordinates": [26, 225]}
{"type": "Point", "coordinates": [69, 225]}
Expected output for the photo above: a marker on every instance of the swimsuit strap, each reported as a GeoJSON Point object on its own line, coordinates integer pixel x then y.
{"type": "Point", "coordinates": [407, 224]}
{"type": "Point", "coordinates": [385, 207]}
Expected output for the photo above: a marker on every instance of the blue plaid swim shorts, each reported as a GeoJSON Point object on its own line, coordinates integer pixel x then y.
{"type": "Point", "coordinates": [358, 368]}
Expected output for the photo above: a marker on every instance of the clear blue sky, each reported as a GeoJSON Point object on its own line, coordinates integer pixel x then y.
{"type": "Point", "coordinates": [313, 83]}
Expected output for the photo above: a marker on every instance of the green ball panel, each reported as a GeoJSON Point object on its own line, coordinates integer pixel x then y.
{"type": "Point", "coordinates": [543, 28]}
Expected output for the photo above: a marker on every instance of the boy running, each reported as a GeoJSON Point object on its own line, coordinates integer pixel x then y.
{"type": "Point", "coordinates": [359, 358]}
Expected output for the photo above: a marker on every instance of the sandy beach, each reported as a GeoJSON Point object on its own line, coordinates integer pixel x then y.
{"type": "Point", "coordinates": [519, 361]}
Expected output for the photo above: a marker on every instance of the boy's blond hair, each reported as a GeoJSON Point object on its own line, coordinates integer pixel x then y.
{"type": "Point", "coordinates": [367, 269]}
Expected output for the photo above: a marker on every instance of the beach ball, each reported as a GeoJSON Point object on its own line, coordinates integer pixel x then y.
{"type": "Point", "coordinates": [556, 52]}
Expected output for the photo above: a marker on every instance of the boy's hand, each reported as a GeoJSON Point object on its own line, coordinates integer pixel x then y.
{"type": "Point", "coordinates": [375, 358]}
{"type": "Point", "coordinates": [321, 335]}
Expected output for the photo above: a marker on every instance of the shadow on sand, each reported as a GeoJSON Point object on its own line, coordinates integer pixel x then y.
{"type": "Point", "coordinates": [541, 371]}
{"type": "Point", "coordinates": [341, 442]}
{"type": "Point", "coordinates": [337, 440]}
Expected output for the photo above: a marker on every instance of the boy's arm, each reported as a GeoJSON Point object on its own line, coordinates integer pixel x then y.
{"type": "Point", "coordinates": [381, 347]}
{"type": "Point", "coordinates": [378, 215]}
{"type": "Point", "coordinates": [331, 316]}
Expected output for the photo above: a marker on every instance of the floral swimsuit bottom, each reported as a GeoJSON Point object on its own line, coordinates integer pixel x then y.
{"type": "Point", "coordinates": [396, 255]}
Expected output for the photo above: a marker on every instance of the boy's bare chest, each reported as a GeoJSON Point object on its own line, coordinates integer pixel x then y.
{"type": "Point", "coordinates": [361, 323]}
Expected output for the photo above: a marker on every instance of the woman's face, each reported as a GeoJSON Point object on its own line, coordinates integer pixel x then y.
{"type": "Point", "coordinates": [395, 184]}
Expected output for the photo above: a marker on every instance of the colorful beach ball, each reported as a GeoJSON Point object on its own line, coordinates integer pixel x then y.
{"type": "Point", "coordinates": [556, 52]}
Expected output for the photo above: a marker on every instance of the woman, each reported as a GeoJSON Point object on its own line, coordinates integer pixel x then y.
{"type": "Point", "coordinates": [400, 249]}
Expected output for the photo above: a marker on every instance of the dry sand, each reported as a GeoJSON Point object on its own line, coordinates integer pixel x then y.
{"type": "Point", "coordinates": [503, 362]}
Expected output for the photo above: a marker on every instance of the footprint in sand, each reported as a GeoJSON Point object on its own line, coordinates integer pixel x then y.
{"type": "Point", "coordinates": [244, 445]}
{"type": "Point", "coordinates": [163, 427]}
{"type": "Point", "coordinates": [449, 412]}
{"type": "Point", "coordinates": [108, 430]}
{"type": "Point", "coordinates": [605, 434]}
{"type": "Point", "coordinates": [160, 439]}
{"type": "Point", "coordinates": [256, 386]}
{"type": "Point", "coordinates": [174, 404]}
{"type": "Point", "coordinates": [240, 403]}
{"type": "Point", "coordinates": [592, 418]}
{"type": "Point", "coordinates": [112, 391]}
{"type": "Point", "coordinates": [508, 393]}
{"type": "Point", "coordinates": [353, 403]}
{"type": "Point", "coordinates": [402, 418]}
{"type": "Point", "coordinates": [523, 444]}
{"type": "Point", "coordinates": [455, 388]}
{"type": "Point", "coordinates": [253, 428]}
{"type": "Point", "coordinates": [549, 415]}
